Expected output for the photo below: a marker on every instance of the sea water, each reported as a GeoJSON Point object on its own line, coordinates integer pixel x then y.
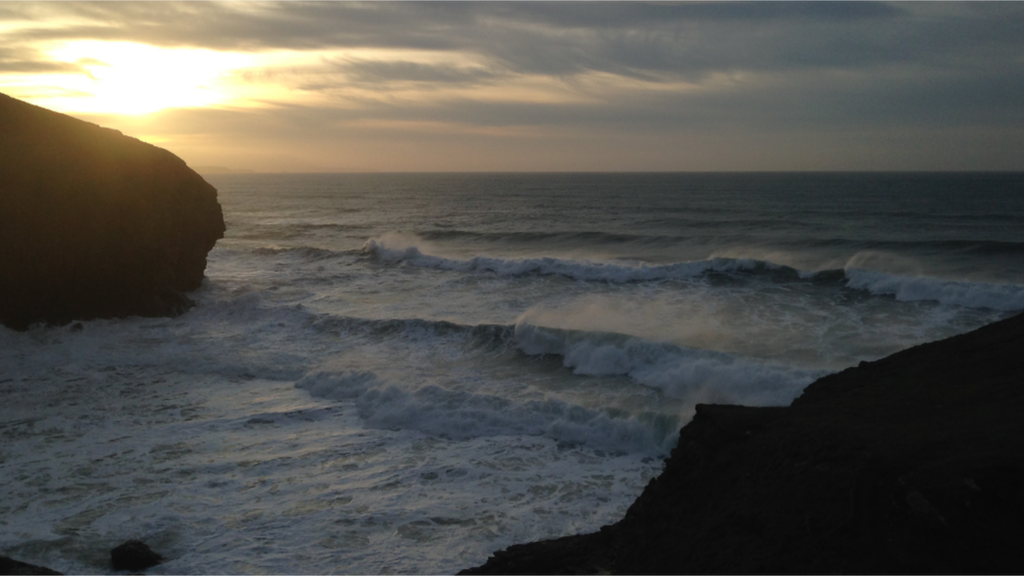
{"type": "Point", "coordinates": [405, 372]}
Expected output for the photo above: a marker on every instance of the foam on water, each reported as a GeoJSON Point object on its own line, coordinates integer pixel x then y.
{"type": "Point", "coordinates": [577, 270]}
{"type": "Point", "coordinates": [1002, 297]}
{"type": "Point", "coordinates": [270, 464]}
{"type": "Point", "coordinates": [511, 365]}
{"type": "Point", "coordinates": [692, 375]}
{"type": "Point", "coordinates": [460, 415]}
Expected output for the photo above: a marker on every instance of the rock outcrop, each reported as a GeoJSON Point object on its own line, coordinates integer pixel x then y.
{"type": "Point", "coordinates": [134, 555]}
{"type": "Point", "coordinates": [911, 464]}
{"type": "Point", "coordinates": [95, 224]}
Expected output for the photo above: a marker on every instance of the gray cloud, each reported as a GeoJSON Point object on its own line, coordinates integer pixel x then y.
{"type": "Point", "coordinates": [317, 139]}
{"type": "Point", "coordinates": [892, 98]}
{"type": "Point", "coordinates": [36, 66]}
{"type": "Point", "coordinates": [29, 61]}
{"type": "Point", "coordinates": [633, 14]}
{"type": "Point", "coordinates": [567, 38]}
{"type": "Point", "coordinates": [900, 72]}
{"type": "Point", "coordinates": [563, 37]}
{"type": "Point", "coordinates": [377, 72]}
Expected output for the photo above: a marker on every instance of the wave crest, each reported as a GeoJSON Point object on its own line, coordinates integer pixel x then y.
{"type": "Point", "coordinates": [981, 295]}
{"type": "Point", "coordinates": [583, 270]}
{"type": "Point", "coordinates": [1002, 297]}
{"type": "Point", "coordinates": [688, 374]}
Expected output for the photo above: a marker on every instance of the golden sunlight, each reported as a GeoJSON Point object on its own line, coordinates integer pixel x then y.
{"type": "Point", "coordinates": [131, 78]}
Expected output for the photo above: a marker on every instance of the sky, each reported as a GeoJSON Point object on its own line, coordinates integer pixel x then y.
{"type": "Point", "coordinates": [538, 86]}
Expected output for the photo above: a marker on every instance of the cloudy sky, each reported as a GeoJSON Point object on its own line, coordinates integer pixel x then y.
{"type": "Point", "coordinates": [540, 86]}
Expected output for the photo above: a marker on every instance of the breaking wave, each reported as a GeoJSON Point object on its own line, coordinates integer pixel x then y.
{"type": "Point", "coordinates": [689, 374]}
{"type": "Point", "coordinates": [1002, 297]}
{"type": "Point", "coordinates": [576, 269]}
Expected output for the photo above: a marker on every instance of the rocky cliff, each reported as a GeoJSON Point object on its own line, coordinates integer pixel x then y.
{"type": "Point", "coordinates": [911, 464]}
{"type": "Point", "coordinates": [95, 224]}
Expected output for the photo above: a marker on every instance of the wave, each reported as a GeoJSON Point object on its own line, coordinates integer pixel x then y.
{"type": "Point", "coordinates": [304, 252]}
{"type": "Point", "coordinates": [961, 247]}
{"type": "Point", "coordinates": [492, 337]}
{"type": "Point", "coordinates": [288, 231]}
{"type": "Point", "coordinates": [461, 415]}
{"type": "Point", "coordinates": [576, 269]}
{"type": "Point", "coordinates": [689, 374]}
{"type": "Point", "coordinates": [1002, 297]}
{"type": "Point", "coordinates": [587, 238]}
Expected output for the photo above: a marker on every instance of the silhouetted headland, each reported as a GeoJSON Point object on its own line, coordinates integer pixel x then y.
{"type": "Point", "coordinates": [95, 224]}
{"type": "Point", "coordinates": [910, 464]}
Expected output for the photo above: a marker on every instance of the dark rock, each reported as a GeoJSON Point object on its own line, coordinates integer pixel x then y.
{"type": "Point", "coordinates": [911, 464]}
{"type": "Point", "coordinates": [10, 566]}
{"type": "Point", "coordinates": [133, 555]}
{"type": "Point", "coordinates": [94, 224]}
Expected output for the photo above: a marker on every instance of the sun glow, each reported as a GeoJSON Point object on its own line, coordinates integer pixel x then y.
{"type": "Point", "coordinates": [131, 78]}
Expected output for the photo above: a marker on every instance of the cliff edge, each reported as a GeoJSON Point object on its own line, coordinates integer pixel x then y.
{"type": "Point", "coordinates": [95, 224]}
{"type": "Point", "coordinates": [911, 464]}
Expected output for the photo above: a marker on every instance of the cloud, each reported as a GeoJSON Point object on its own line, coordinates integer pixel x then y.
{"type": "Point", "coordinates": [560, 38]}
{"type": "Point", "coordinates": [27, 61]}
{"type": "Point", "coordinates": [376, 72]}
{"type": "Point", "coordinates": [817, 79]}
{"type": "Point", "coordinates": [641, 14]}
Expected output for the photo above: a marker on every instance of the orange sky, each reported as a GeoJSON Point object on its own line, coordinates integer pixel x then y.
{"type": "Point", "coordinates": [535, 86]}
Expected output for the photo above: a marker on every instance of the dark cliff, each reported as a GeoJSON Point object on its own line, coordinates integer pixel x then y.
{"type": "Point", "coordinates": [95, 224]}
{"type": "Point", "coordinates": [911, 464]}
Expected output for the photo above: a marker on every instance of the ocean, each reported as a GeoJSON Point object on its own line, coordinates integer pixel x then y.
{"type": "Point", "coordinates": [402, 373]}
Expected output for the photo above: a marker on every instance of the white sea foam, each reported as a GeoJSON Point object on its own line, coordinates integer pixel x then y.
{"type": "Point", "coordinates": [386, 249]}
{"type": "Point", "coordinates": [1003, 297]}
{"type": "Point", "coordinates": [461, 415]}
{"type": "Point", "coordinates": [685, 373]}
{"type": "Point", "coordinates": [154, 436]}
{"type": "Point", "coordinates": [303, 252]}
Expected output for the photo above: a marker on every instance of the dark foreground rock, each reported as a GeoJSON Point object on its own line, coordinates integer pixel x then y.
{"type": "Point", "coordinates": [134, 555]}
{"type": "Point", "coordinates": [94, 224]}
{"type": "Point", "coordinates": [911, 464]}
{"type": "Point", "coordinates": [10, 566]}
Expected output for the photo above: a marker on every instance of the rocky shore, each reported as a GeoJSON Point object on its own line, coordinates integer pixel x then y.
{"type": "Point", "coordinates": [95, 224]}
{"type": "Point", "coordinates": [910, 464]}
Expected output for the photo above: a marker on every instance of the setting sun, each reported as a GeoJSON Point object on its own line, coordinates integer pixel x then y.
{"type": "Point", "coordinates": [133, 78]}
